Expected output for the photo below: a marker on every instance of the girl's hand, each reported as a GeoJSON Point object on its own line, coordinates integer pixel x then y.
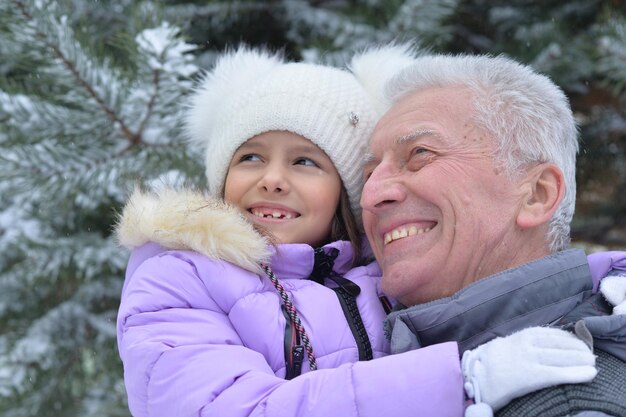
{"type": "Point", "coordinates": [508, 367]}
{"type": "Point", "coordinates": [613, 288]}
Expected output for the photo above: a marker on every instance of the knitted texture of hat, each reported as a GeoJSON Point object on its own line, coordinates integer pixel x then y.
{"type": "Point", "coordinates": [251, 92]}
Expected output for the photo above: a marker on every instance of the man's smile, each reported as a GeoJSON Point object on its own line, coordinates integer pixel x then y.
{"type": "Point", "coordinates": [404, 231]}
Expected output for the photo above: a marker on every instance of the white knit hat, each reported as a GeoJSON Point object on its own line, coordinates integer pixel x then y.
{"type": "Point", "coordinates": [250, 92]}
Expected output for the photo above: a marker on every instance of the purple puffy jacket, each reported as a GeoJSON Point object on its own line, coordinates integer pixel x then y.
{"type": "Point", "coordinates": [205, 337]}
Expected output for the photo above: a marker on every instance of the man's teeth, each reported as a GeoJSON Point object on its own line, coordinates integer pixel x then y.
{"type": "Point", "coordinates": [402, 232]}
{"type": "Point", "coordinates": [274, 214]}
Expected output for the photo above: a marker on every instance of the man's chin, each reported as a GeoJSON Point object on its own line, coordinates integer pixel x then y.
{"type": "Point", "coordinates": [403, 283]}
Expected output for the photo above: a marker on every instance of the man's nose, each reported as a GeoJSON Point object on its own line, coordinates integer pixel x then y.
{"type": "Point", "coordinates": [274, 179]}
{"type": "Point", "coordinates": [382, 189]}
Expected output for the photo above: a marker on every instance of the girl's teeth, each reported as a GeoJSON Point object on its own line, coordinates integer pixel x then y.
{"type": "Point", "coordinates": [273, 215]}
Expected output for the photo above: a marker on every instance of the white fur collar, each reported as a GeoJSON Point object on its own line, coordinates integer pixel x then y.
{"type": "Point", "coordinates": [189, 220]}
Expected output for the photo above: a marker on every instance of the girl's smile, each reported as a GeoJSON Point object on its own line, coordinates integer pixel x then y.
{"type": "Point", "coordinates": [273, 212]}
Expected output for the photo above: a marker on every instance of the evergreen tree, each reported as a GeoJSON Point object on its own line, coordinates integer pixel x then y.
{"type": "Point", "coordinates": [90, 101]}
{"type": "Point", "coordinates": [77, 132]}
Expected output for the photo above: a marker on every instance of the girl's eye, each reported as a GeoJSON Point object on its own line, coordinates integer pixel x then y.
{"type": "Point", "coordinates": [306, 162]}
{"type": "Point", "coordinates": [250, 157]}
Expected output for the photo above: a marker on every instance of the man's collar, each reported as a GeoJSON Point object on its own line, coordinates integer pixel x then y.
{"type": "Point", "coordinates": [536, 293]}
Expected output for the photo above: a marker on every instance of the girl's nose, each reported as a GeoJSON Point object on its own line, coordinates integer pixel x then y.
{"type": "Point", "coordinates": [274, 179]}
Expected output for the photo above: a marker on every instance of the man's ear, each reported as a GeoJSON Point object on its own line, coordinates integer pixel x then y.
{"type": "Point", "coordinates": [544, 189]}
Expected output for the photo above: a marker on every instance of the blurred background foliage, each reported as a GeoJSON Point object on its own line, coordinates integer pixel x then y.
{"type": "Point", "coordinates": [90, 100]}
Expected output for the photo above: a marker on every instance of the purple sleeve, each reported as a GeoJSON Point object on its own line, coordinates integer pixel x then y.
{"type": "Point", "coordinates": [601, 263]}
{"type": "Point", "coordinates": [423, 382]}
{"type": "Point", "coordinates": [183, 357]}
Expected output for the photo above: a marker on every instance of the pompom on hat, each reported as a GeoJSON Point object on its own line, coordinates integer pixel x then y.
{"type": "Point", "coordinates": [250, 92]}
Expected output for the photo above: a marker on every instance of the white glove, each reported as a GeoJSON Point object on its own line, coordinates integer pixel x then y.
{"type": "Point", "coordinates": [538, 357]}
{"type": "Point", "coordinates": [613, 288]}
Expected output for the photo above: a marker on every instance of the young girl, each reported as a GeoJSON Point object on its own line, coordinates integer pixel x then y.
{"type": "Point", "coordinates": [257, 300]}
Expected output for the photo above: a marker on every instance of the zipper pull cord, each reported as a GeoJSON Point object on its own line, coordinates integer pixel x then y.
{"type": "Point", "coordinates": [293, 314]}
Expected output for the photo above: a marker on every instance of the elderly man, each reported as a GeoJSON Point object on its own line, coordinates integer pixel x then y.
{"type": "Point", "coordinates": [469, 195]}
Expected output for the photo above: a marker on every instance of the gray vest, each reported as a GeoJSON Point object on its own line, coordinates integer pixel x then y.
{"type": "Point", "coordinates": [556, 291]}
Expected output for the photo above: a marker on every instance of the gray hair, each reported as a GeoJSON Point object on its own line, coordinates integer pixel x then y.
{"type": "Point", "coordinates": [528, 115]}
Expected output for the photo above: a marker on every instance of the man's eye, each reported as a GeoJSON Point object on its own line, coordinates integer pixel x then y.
{"type": "Point", "coordinates": [306, 162]}
{"type": "Point", "coordinates": [418, 150]}
{"type": "Point", "coordinates": [419, 158]}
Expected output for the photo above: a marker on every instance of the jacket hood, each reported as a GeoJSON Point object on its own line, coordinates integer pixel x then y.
{"type": "Point", "coordinates": [189, 220]}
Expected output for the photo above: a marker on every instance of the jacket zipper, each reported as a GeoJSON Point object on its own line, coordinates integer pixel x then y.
{"type": "Point", "coordinates": [294, 351]}
{"type": "Point", "coordinates": [351, 311]}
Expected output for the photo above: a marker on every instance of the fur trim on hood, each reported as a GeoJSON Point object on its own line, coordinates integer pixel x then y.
{"type": "Point", "coordinates": [188, 220]}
